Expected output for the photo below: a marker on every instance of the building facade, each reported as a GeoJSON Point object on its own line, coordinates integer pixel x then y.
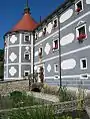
{"type": "Point", "coordinates": [59, 44]}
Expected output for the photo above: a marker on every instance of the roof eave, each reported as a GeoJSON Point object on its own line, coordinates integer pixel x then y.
{"type": "Point", "coordinates": [19, 31]}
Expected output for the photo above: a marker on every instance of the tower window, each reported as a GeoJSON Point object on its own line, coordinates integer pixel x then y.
{"type": "Point", "coordinates": [79, 6]}
{"type": "Point", "coordinates": [81, 32]}
{"type": "Point", "coordinates": [5, 43]}
{"type": "Point", "coordinates": [56, 68]}
{"type": "Point", "coordinates": [27, 38]}
{"type": "Point", "coordinates": [55, 44]}
{"type": "Point", "coordinates": [36, 36]}
{"type": "Point", "coordinates": [26, 73]}
{"type": "Point", "coordinates": [55, 23]}
{"type": "Point", "coordinates": [27, 55]}
{"type": "Point", "coordinates": [83, 63]}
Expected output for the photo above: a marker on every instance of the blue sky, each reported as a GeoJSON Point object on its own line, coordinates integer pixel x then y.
{"type": "Point", "coordinates": [11, 12]}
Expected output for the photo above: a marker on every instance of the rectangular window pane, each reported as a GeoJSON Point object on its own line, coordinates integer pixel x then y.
{"type": "Point", "coordinates": [55, 44]}
{"type": "Point", "coordinates": [26, 38]}
{"type": "Point", "coordinates": [26, 73]}
{"type": "Point", "coordinates": [27, 56]}
{"type": "Point", "coordinates": [79, 5]}
{"type": "Point", "coordinates": [81, 30]}
{"type": "Point", "coordinates": [56, 67]}
{"type": "Point", "coordinates": [84, 63]}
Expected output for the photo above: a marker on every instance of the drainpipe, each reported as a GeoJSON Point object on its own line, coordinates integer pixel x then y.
{"type": "Point", "coordinates": [60, 83]}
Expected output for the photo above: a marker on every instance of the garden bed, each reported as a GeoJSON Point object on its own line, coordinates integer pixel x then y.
{"type": "Point", "coordinates": [41, 112]}
{"type": "Point", "coordinates": [19, 105]}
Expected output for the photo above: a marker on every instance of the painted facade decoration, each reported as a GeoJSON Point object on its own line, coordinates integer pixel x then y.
{"type": "Point", "coordinates": [12, 57]}
{"type": "Point", "coordinates": [13, 39]}
{"type": "Point", "coordinates": [66, 15]}
{"type": "Point", "coordinates": [29, 47]}
{"type": "Point", "coordinates": [47, 48]}
{"type": "Point", "coordinates": [12, 71]}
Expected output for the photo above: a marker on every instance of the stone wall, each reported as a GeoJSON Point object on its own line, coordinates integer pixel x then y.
{"type": "Point", "coordinates": [6, 87]}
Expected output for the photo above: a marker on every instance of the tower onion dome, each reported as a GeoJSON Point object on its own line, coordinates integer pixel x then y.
{"type": "Point", "coordinates": [27, 23]}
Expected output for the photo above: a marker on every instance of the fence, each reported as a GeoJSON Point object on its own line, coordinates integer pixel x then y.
{"type": "Point", "coordinates": [58, 108]}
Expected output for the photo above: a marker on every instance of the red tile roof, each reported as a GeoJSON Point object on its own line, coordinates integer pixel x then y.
{"type": "Point", "coordinates": [27, 23]}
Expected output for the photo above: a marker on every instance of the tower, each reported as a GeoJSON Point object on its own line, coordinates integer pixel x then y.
{"type": "Point", "coordinates": [18, 53]}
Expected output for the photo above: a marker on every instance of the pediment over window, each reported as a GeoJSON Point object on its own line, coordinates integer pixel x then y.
{"type": "Point", "coordinates": [80, 23]}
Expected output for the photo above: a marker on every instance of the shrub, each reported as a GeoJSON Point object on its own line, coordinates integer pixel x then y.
{"type": "Point", "coordinates": [16, 94]}
{"type": "Point", "coordinates": [64, 95]}
{"type": "Point", "coordinates": [20, 99]}
{"type": "Point", "coordinates": [17, 97]}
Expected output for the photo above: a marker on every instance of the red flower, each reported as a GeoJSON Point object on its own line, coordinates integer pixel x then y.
{"type": "Point", "coordinates": [81, 36]}
{"type": "Point", "coordinates": [78, 9]}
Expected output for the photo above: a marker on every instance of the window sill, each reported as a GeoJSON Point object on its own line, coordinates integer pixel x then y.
{"type": "Point", "coordinates": [56, 72]}
{"type": "Point", "coordinates": [83, 68]}
{"type": "Point", "coordinates": [55, 50]}
{"type": "Point", "coordinates": [82, 40]}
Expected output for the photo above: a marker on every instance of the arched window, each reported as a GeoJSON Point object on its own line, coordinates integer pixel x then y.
{"type": "Point", "coordinates": [55, 23]}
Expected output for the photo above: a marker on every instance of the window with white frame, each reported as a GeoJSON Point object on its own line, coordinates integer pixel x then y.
{"type": "Point", "coordinates": [27, 55]}
{"type": "Point", "coordinates": [83, 63]}
{"type": "Point", "coordinates": [55, 23]}
{"type": "Point", "coordinates": [79, 6]}
{"type": "Point", "coordinates": [26, 38]}
{"type": "Point", "coordinates": [44, 31]}
{"type": "Point", "coordinates": [81, 32]}
{"type": "Point", "coordinates": [56, 68]}
{"type": "Point", "coordinates": [55, 44]}
{"type": "Point", "coordinates": [26, 73]}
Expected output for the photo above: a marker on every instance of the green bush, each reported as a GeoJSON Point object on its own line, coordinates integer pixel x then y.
{"type": "Point", "coordinates": [17, 98]}
{"type": "Point", "coordinates": [21, 99]}
{"type": "Point", "coordinates": [16, 95]}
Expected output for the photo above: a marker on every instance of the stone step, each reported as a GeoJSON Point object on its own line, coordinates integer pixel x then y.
{"type": "Point", "coordinates": [48, 97]}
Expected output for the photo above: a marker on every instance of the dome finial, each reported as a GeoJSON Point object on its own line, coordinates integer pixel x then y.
{"type": "Point", "coordinates": [27, 9]}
